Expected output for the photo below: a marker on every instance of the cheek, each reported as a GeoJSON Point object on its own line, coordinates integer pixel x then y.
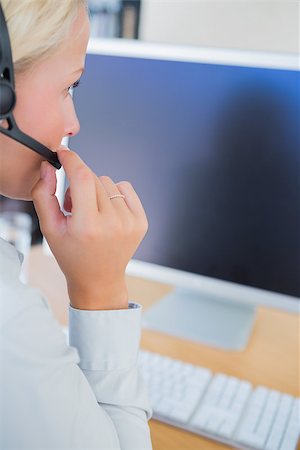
{"type": "Point", "coordinates": [19, 169]}
{"type": "Point", "coordinates": [41, 116]}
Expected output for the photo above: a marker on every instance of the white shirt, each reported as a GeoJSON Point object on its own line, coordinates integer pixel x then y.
{"type": "Point", "coordinates": [85, 395]}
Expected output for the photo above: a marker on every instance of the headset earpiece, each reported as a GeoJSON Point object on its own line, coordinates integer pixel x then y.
{"type": "Point", "coordinates": [7, 98]}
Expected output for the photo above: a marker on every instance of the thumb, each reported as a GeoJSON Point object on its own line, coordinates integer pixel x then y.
{"type": "Point", "coordinates": [51, 218]}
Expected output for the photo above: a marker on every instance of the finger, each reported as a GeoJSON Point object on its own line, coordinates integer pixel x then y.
{"type": "Point", "coordinates": [82, 185]}
{"type": "Point", "coordinates": [132, 199]}
{"type": "Point", "coordinates": [111, 189]}
{"type": "Point", "coordinates": [51, 218]}
{"type": "Point", "coordinates": [102, 197]}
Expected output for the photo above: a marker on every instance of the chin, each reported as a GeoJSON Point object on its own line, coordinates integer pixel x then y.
{"type": "Point", "coordinates": [19, 196]}
{"type": "Point", "coordinates": [22, 191]}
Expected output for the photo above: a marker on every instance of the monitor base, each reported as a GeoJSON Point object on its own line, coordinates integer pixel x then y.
{"type": "Point", "coordinates": [202, 318]}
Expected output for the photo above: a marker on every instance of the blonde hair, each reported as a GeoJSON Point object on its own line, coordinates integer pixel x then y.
{"type": "Point", "coordinates": [37, 27]}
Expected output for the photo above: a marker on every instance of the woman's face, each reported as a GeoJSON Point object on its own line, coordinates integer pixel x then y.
{"type": "Point", "coordinates": [44, 110]}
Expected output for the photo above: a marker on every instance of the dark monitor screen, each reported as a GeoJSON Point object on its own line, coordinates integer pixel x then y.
{"type": "Point", "coordinates": [213, 152]}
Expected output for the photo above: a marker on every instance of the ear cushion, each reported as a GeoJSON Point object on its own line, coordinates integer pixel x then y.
{"type": "Point", "coordinates": [7, 98]}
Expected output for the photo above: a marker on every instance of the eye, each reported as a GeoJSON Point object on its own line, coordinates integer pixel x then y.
{"type": "Point", "coordinates": [74, 85]}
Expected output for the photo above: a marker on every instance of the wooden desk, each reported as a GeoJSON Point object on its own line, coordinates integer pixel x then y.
{"type": "Point", "coordinates": [271, 358]}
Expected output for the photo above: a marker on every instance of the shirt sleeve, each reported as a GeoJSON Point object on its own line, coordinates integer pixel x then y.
{"type": "Point", "coordinates": [110, 366]}
{"type": "Point", "coordinates": [86, 395]}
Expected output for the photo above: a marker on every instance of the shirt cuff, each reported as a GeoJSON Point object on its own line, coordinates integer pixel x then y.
{"type": "Point", "coordinates": [106, 339]}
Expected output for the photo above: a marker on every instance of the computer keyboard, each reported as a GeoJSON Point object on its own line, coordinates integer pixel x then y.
{"type": "Point", "coordinates": [220, 407]}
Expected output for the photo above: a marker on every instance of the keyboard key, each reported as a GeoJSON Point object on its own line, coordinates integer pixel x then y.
{"type": "Point", "coordinates": [209, 417]}
{"type": "Point", "coordinates": [181, 414]}
{"type": "Point", "coordinates": [268, 415]}
{"type": "Point", "coordinates": [237, 406]}
{"type": "Point", "coordinates": [204, 414]}
{"type": "Point", "coordinates": [229, 425]}
{"type": "Point", "coordinates": [242, 394]}
{"type": "Point", "coordinates": [251, 439]}
{"type": "Point", "coordinates": [215, 389]}
{"type": "Point", "coordinates": [293, 428]}
{"type": "Point", "coordinates": [279, 424]}
{"type": "Point", "coordinates": [216, 420]}
{"type": "Point", "coordinates": [228, 393]}
{"type": "Point", "coordinates": [254, 432]}
{"type": "Point", "coordinates": [253, 414]}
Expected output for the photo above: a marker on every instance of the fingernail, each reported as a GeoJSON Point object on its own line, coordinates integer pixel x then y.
{"type": "Point", "coordinates": [62, 148]}
{"type": "Point", "coordinates": [60, 153]}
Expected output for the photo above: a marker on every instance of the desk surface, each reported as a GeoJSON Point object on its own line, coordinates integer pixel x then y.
{"type": "Point", "coordinates": [271, 358]}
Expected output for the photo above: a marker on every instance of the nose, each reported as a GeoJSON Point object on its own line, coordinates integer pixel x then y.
{"type": "Point", "coordinates": [72, 125]}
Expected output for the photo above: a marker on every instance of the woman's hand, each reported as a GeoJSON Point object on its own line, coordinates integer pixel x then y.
{"type": "Point", "coordinates": [94, 244]}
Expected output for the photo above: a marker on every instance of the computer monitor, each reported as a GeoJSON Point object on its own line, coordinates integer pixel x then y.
{"type": "Point", "coordinates": [210, 141]}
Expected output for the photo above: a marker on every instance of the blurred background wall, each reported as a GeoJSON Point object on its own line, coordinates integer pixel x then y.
{"type": "Point", "coordinates": [260, 25]}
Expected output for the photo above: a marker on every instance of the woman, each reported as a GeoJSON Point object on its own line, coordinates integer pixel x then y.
{"type": "Point", "coordinates": [90, 394]}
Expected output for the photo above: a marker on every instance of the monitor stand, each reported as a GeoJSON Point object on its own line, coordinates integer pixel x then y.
{"type": "Point", "coordinates": [203, 318]}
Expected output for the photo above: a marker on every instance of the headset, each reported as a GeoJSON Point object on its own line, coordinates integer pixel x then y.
{"type": "Point", "coordinates": [8, 99]}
